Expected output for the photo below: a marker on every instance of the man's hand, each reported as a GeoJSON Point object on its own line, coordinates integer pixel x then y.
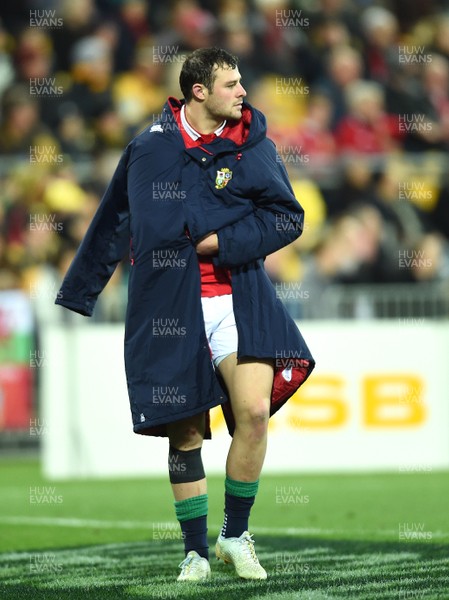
{"type": "Point", "coordinates": [208, 245]}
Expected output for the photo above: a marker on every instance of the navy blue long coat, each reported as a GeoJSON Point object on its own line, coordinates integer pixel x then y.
{"type": "Point", "coordinates": [161, 200]}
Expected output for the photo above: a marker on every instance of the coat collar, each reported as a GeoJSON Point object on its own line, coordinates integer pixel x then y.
{"type": "Point", "coordinates": [240, 135]}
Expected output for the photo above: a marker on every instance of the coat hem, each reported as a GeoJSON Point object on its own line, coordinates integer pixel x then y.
{"type": "Point", "coordinates": [158, 427]}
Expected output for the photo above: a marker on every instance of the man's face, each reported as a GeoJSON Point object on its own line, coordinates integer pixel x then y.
{"type": "Point", "coordinates": [226, 99]}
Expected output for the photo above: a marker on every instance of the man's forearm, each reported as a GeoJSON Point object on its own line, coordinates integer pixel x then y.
{"type": "Point", "coordinates": [208, 245]}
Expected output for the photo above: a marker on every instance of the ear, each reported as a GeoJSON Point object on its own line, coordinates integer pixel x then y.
{"type": "Point", "coordinates": [199, 91]}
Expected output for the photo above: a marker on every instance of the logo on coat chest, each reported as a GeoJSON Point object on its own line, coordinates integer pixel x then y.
{"type": "Point", "coordinates": [224, 176]}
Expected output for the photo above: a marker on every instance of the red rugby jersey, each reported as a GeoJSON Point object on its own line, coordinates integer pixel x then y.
{"type": "Point", "coordinates": [215, 281]}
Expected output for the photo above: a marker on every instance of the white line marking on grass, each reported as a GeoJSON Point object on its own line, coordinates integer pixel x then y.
{"type": "Point", "coordinates": [303, 531]}
{"type": "Point", "coordinates": [102, 524]}
{"type": "Point", "coordinates": [74, 522]}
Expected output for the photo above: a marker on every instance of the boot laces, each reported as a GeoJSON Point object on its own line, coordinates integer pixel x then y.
{"type": "Point", "coordinates": [186, 564]}
{"type": "Point", "coordinates": [249, 546]}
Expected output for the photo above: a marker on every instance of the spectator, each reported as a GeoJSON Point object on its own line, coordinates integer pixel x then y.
{"type": "Point", "coordinates": [441, 36]}
{"type": "Point", "coordinates": [34, 59]}
{"type": "Point", "coordinates": [436, 90]}
{"type": "Point", "coordinates": [430, 258]}
{"type": "Point", "coordinates": [240, 32]}
{"type": "Point", "coordinates": [336, 255]}
{"type": "Point", "coordinates": [315, 137]}
{"type": "Point", "coordinates": [133, 27]}
{"type": "Point", "coordinates": [92, 70]}
{"type": "Point", "coordinates": [20, 125]}
{"type": "Point", "coordinates": [341, 11]}
{"type": "Point", "coordinates": [344, 66]}
{"type": "Point", "coordinates": [356, 187]}
{"type": "Point", "coordinates": [381, 32]}
{"type": "Point", "coordinates": [439, 215]}
{"type": "Point", "coordinates": [139, 93]}
{"type": "Point", "coordinates": [367, 129]}
{"type": "Point", "coordinates": [79, 20]}
{"type": "Point", "coordinates": [191, 27]}
{"type": "Point", "coordinates": [6, 65]}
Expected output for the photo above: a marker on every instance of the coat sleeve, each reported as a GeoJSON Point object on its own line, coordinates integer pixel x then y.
{"type": "Point", "coordinates": [103, 247]}
{"type": "Point", "coordinates": [276, 221]}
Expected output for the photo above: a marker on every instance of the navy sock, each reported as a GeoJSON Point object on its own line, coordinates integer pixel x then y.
{"type": "Point", "coordinates": [239, 498]}
{"type": "Point", "coordinates": [237, 510]}
{"type": "Point", "coordinates": [192, 516]}
{"type": "Point", "coordinates": [194, 533]}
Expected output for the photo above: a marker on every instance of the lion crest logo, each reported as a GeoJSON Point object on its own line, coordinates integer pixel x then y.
{"type": "Point", "coordinates": [224, 176]}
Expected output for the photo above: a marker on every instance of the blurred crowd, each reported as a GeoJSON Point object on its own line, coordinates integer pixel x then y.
{"type": "Point", "coordinates": [356, 94]}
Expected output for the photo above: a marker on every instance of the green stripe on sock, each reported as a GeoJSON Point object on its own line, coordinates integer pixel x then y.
{"type": "Point", "coordinates": [242, 489]}
{"type": "Point", "coordinates": [191, 508]}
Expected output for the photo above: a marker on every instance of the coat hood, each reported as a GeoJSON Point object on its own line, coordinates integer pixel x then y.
{"type": "Point", "coordinates": [242, 134]}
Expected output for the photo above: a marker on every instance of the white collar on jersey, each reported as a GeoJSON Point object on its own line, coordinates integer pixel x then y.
{"type": "Point", "coordinates": [189, 129]}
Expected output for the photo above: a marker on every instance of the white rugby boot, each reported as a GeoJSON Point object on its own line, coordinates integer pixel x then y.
{"type": "Point", "coordinates": [240, 552]}
{"type": "Point", "coordinates": [194, 568]}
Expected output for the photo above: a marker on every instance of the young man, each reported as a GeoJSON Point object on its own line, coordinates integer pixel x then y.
{"type": "Point", "coordinates": [201, 198]}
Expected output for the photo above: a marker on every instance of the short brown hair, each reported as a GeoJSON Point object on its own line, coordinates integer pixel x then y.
{"type": "Point", "coordinates": [199, 67]}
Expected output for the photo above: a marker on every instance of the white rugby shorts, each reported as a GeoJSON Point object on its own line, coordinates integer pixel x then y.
{"type": "Point", "coordinates": [221, 329]}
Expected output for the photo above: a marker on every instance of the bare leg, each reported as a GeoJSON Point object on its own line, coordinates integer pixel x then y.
{"type": "Point", "coordinates": [249, 384]}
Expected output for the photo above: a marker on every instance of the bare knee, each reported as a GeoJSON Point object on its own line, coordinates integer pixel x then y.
{"type": "Point", "coordinates": [253, 420]}
{"type": "Point", "coordinates": [187, 434]}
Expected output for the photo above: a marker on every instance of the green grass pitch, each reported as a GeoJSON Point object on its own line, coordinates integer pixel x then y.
{"type": "Point", "coordinates": [320, 537]}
